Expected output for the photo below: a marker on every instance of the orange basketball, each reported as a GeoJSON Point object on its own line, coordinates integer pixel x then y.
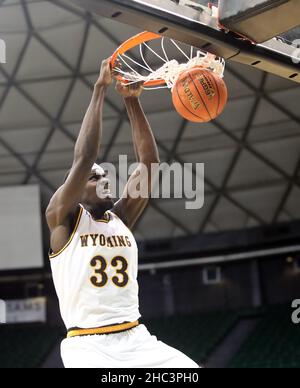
{"type": "Point", "coordinates": [199, 95]}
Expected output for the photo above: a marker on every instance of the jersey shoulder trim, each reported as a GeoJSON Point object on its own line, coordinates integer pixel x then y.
{"type": "Point", "coordinates": [119, 219]}
{"type": "Point", "coordinates": [51, 256]}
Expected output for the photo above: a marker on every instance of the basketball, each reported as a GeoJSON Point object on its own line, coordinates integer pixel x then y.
{"type": "Point", "coordinates": [199, 95]}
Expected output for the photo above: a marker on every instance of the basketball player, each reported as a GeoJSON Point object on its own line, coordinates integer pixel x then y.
{"type": "Point", "coordinates": [94, 256]}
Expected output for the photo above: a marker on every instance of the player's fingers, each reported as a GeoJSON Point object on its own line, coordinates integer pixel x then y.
{"type": "Point", "coordinates": [115, 72]}
{"type": "Point", "coordinates": [136, 86]}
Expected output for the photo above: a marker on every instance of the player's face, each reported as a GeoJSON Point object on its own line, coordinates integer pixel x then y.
{"type": "Point", "coordinates": [97, 191]}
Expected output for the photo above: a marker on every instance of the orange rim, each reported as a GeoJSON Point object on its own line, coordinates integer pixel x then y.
{"type": "Point", "coordinates": [131, 43]}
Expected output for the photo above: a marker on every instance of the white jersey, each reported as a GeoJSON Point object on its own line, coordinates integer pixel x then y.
{"type": "Point", "coordinates": [95, 274]}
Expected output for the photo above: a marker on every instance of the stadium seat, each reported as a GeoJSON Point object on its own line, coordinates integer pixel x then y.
{"type": "Point", "coordinates": [26, 346]}
{"type": "Point", "coordinates": [275, 343]}
{"type": "Point", "coordinates": [195, 335]}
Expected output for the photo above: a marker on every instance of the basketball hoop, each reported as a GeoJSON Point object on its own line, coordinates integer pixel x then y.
{"type": "Point", "coordinates": [129, 70]}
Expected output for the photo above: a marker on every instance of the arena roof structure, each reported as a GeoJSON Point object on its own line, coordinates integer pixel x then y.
{"type": "Point", "coordinates": [251, 152]}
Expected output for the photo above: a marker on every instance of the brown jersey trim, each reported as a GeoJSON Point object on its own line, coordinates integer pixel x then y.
{"type": "Point", "coordinates": [53, 255]}
{"type": "Point", "coordinates": [105, 220]}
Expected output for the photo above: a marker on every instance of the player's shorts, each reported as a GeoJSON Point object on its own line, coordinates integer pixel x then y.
{"type": "Point", "coordinates": [134, 348]}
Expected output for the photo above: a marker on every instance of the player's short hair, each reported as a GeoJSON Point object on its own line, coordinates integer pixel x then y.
{"type": "Point", "coordinates": [68, 173]}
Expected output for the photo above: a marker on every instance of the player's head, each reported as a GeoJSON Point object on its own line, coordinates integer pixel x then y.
{"type": "Point", "coordinates": [97, 189]}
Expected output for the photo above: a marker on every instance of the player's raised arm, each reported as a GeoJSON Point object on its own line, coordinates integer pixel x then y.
{"type": "Point", "coordinates": [65, 201]}
{"type": "Point", "coordinates": [130, 207]}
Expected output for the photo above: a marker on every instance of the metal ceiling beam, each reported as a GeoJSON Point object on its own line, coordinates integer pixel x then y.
{"type": "Point", "coordinates": [174, 148]}
{"type": "Point", "coordinates": [171, 154]}
{"type": "Point", "coordinates": [67, 77]}
{"type": "Point", "coordinates": [151, 203]}
{"type": "Point", "coordinates": [254, 152]}
{"type": "Point", "coordinates": [84, 15]}
{"type": "Point", "coordinates": [292, 181]}
{"type": "Point", "coordinates": [67, 7]}
{"type": "Point", "coordinates": [236, 155]}
{"type": "Point", "coordinates": [88, 17]}
{"type": "Point", "coordinates": [38, 107]}
{"type": "Point", "coordinates": [10, 84]}
{"type": "Point", "coordinates": [42, 179]}
{"type": "Point", "coordinates": [240, 206]}
{"type": "Point", "coordinates": [262, 158]}
{"type": "Point", "coordinates": [215, 188]}
{"type": "Point", "coordinates": [11, 78]}
{"type": "Point", "coordinates": [56, 121]}
{"type": "Point", "coordinates": [114, 135]}
{"type": "Point", "coordinates": [66, 97]}
{"type": "Point", "coordinates": [61, 128]}
{"type": "Point", "coordinates": [265, 95]}
{"type": "Point", "coordinates": [178, 139]}
{"type": "Point", "coordinates": [23, 162]}
{"type": "Point", "coordinates": [172, 219]}
{"type": "Point", "coordinates": [63, 168]}
{"type": "Point", "coordinates": [70, 67]}
{"type": "Point", "coordinates": [276, 137]}
{"type": "Point", "coordinates": [287, 193]}
{"type": "Point", "coordinates": [27, 16]}
{"type": "Point", "coordinates": [123, 117]}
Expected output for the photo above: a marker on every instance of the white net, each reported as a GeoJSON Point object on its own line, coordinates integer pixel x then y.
{"type": "Point", "coordinates": [170, 69]}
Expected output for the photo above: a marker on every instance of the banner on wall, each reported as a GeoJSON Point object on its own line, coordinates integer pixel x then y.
{"type": "Point", "coordinates": [23, 310]}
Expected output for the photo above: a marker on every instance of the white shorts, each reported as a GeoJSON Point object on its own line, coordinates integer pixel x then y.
{"type": "Point", "coordinates": [135, 348]}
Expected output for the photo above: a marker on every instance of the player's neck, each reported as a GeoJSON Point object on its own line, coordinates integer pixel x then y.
{"type": "Point", "coordinates": [97, 212]}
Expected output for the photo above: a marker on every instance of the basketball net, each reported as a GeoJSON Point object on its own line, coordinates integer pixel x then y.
{"type": "Point", "coordinates": [170, 69]}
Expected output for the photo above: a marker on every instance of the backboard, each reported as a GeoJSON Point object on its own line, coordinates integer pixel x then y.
{"type": "Point", "coordinates": [189, 22]}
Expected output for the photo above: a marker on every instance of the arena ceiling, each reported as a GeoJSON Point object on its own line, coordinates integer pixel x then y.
{"type": "Point", "coordinates": [251, 153]}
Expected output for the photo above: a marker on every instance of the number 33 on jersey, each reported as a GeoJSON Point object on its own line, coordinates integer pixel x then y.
{"type": "Point", "coordinates": [95, 274]}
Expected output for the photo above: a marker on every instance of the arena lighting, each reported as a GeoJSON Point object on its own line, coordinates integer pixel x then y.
{"type": "Point", "coordinates": [294, 261]}
{"type": "Point", "coordinates": [212, 275]}
{"type": "Point", "coordinates": [220, 259]}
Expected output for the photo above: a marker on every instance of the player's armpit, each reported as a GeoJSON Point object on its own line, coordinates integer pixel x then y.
{"type": "Point", "coordinates": [61, 234]}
